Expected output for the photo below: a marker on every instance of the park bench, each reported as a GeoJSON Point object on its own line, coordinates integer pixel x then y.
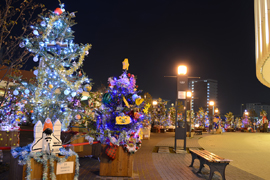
{"type": "Point", "coordinates": [198, 132]}
{"type": "Point", "coordinates": [215, 163]}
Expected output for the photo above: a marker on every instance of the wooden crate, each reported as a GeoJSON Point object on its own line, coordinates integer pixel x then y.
{"type": "Point", "coordinates": [122, 165]}
{"type": "Point", "coordinates": [94, 150]}
{"type": "Point", "coordinates": [146, 133]}
{"type": "Point", "coordinates": [37, 170]}
{"type": "Point", "coordinates": [9, 138]}
{"type": "Point", "coordinates": [77, 140]}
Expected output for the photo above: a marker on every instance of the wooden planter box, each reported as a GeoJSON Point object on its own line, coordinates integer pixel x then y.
{"type": "Point", "coordinates": [146, 133]}
{"type": "Point", "coordinates": [94, 150]}
{"type": "Point", "coordinates": [9, 138]}
{"type": "Point", "coordinates": [18, 172]}
{"type": "Point", "coordinates": [170, 130]}
{"type": "Point", "coordinates": [122, 165]}
{"type": "Point", "coordinates": [85, 150]}
{"type": "Point", "coordinates": [155, 130]}
{"type": "Point", "coordinates": [77, 149]}
{"type": "Point", "coordinates": [163, 130]}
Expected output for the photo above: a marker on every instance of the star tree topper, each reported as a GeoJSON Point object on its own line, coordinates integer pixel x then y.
{"type": "Point", "coordinates": [125, 64]}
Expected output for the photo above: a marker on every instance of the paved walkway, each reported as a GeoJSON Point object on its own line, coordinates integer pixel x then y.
{"type": "Point", "coordinates": [152, 165]}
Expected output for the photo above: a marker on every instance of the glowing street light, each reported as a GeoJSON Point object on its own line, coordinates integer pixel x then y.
{"type": "Point", "coordinates": [211, 103]}
{"type": "Point", "coordinates": [182, 70]}
{"type": "Point", "coordinates": [189, 94]}
{"type": "Point", "coordinates": [154, 103]}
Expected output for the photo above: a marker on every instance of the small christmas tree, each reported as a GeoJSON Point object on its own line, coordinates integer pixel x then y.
{"type": "Point", "coordinates": [12, 112]}
{"type": "Point", "coordinates": [121, 115]}
{"type": "Point", "coordinates": [60, 80]}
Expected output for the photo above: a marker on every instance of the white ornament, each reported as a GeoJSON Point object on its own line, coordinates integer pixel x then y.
{"type": "Point", "coordinates": [35, 32]}
{"type": "Point", "coordinates": [73, 94]}
{"type": "Point", "coordinates": [66, 92]}
{"type": "Point", "coordinates": [22, 45]}
{"type": "Point", "coordinates": [43, 24]}
{"type": "Point", "coordinates": [26, 91]}
{"type": "Point", "coordinates": [15, 92]}
{"type": "Point", "coordinates": [35, 72]}
{"type": "Point", "coordinates": [35, 59]}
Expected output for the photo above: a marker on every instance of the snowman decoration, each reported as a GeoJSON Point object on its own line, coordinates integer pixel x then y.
{"type": "Point", "coordinates": [47, 137]}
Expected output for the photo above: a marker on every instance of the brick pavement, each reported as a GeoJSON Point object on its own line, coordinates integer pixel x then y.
{"type": "Point", "coordinates": [170, 166]}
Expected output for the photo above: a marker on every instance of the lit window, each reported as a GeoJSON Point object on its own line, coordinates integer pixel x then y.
{"type": "Point", "coordinates": [205, 80]}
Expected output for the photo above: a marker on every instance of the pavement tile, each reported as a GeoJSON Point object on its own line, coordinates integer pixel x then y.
{"type": "Point", "coordinates": [157, 166]}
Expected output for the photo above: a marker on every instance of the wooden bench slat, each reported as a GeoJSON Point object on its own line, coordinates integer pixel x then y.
{"type": "Point", "coordinates": [211, 157]}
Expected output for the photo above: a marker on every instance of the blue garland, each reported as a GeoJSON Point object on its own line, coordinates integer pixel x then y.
{"type": "Point", "coordinates": [24, 157]}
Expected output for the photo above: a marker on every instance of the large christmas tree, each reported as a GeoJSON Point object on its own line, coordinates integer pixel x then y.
{"type": "Point", "coordinates": [60, 80]}
{"type": "Point", "coordinates": [121, 115]}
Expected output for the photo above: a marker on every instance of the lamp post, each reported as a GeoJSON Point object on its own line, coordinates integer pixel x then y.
{"type": "Point", "coordinates": [182, 87]}
{"type": "Point", "coordinates": [216, 114]}
{"type": "Point", "coordinates": [189, 94]}
{"type": "Point", "coordinates": [154, 110]}
{"type": "Point", "coordinates": [211, 114]}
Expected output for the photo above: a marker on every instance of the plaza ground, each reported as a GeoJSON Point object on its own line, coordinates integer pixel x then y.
{"type": "Point", "coordinates": [249, 152]}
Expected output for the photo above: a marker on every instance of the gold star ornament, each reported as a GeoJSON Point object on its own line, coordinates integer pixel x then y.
{"type": "Point", "coordinates": [125, 64]}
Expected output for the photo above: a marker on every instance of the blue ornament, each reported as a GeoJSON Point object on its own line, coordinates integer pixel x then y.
{"type": "Point", "coordinates": [63, 109]}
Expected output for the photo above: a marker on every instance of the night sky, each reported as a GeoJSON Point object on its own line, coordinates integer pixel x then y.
{"type": "Point", "coordinates": [215, 39]}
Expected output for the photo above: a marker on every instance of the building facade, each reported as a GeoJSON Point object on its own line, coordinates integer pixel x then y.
{"type": "Point", "coordinates": [203, 91]}
{"type": "Point", "coordinates": [258, 107]}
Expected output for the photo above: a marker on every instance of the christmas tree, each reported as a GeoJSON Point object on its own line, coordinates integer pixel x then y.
{"type": "Point", "coordinates": [60, 81]}
{"type": "Point", "coordinates": [121, 114]}
{"type": "Point", "coordinates": [12, 112]}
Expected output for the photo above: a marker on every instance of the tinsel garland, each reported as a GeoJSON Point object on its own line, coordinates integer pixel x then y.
{"type": "Point", "coordinates": [24, 155]}
{"type": "Point", "coordinates": [71, 70]}
{"type": "Point", "coordinates": [70, 84]}
{"type": "Point", "coordinates": [50, 26]}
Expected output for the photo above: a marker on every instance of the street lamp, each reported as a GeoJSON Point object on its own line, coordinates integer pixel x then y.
{"type": "Point", "coordinates": [189, 94]}
{"type": "Point", "coordinates": [182, 70]}
{"type": "Point", "coordinates": [211, 113]}
{"type": "Point", "coordinates": [182, 87]}
{"type": "Point", "coordinates": [154, 103]}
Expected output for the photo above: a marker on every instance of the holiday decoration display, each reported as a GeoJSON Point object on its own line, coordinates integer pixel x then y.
{"type": "Point", "coordinates": [121, 114]}
{"type": "Point", "coordinates": [59, 78]}
{"type": "Point", "coordinates": [12, 112]}
{"type": "Point", "coordinates": [122, 120]}
{"type": "Point", "coordinates": [46, 150]}
{"type": "Point", "coordinates": [47, 140]}
{"type": "Point", "coordinates": [125, 64]}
